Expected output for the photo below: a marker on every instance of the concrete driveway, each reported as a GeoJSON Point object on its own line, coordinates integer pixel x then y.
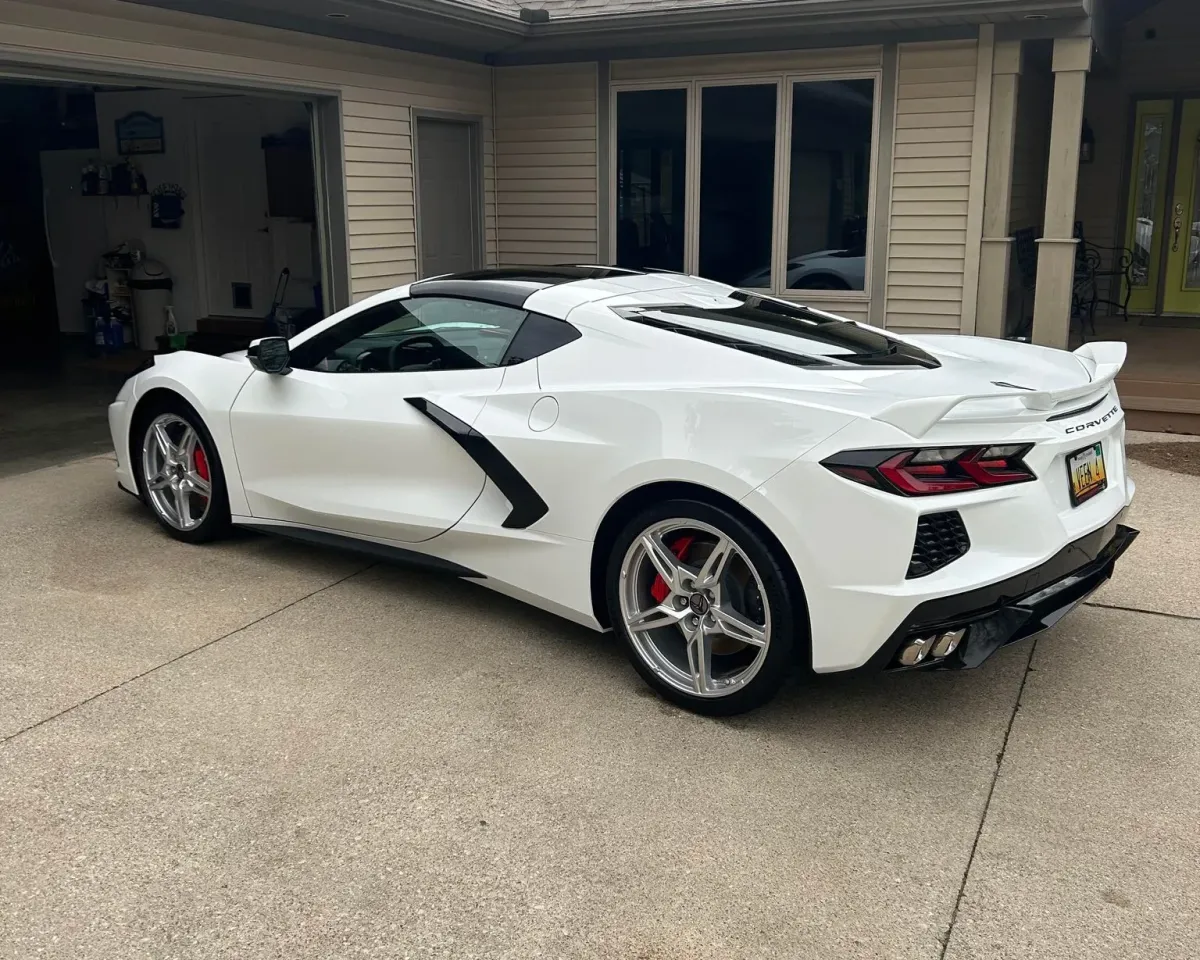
{"type": "Point", "coordinates": [259, 750]}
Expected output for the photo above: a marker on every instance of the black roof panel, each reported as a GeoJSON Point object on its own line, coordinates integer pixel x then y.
{"type": "Point", "coordinates": [548, 275]}
{"type": "Point", "coordinates": [510, 286]}
{"type": "Point", "coordinates": [508, 293]}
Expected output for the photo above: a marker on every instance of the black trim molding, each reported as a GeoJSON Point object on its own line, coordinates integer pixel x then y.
{"type": "Point", "coordinates": [527, 507]}
{"type": "Point", "coordinates": [369, 548]}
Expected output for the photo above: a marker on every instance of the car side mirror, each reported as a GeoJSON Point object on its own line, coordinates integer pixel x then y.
{"type": "Point", "coordinates": [270, 355]}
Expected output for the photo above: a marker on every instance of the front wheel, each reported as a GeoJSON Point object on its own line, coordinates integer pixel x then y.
{"type": "Point", "coordinates": [704, 606]}
{"type": "Point", "coordinates": [179, 473]}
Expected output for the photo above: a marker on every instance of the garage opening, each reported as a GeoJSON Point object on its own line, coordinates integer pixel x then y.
{"type": "Point", "coordinates": [136, 219]}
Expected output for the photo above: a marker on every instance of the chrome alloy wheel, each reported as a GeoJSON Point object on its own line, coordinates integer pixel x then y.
{"type": "Point", "coordinates": [175, 468]}
{"type": "Point", "coordinates": [695, 608]}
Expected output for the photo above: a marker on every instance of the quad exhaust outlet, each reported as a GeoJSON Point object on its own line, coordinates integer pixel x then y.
{"type": "Point", "coordinates": [930, 647]}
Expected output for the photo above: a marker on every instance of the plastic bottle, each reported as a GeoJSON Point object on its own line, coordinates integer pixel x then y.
{"type": "Point", "coordinates": [172, 326]}
{"type": "Point", "coordinates": [116, 335]}
{"type": "Point", "coordinates": [99, 330]}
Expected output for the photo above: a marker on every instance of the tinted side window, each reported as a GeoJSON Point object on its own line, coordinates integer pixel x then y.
{"type": "Point", "coordinates": [480, 330]}
{"type": "Point", "coordinates": [538, 335]}
{"type": "Point", "coordinates": [423, 333]}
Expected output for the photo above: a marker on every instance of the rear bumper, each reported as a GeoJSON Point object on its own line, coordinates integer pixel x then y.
{"type": "Point", "coordinates": [1013, 609]}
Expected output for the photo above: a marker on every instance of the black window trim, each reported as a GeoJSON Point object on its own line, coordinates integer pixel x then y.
{"type": "Point", "coordinates": [569, 334]}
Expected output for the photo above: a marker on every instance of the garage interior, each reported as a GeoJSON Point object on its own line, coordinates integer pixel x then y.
{"type": "Point", "coordinates": [137, 219]}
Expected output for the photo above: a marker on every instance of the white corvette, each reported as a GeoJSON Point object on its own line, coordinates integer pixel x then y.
{"type": "Point", "coordinates": [735, 484]}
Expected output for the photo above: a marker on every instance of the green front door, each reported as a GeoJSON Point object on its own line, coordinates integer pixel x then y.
{"type": "Point", "coordinates": [1163, 212]}
{"type": "Point", "coordinates": [1181, 283]}
{"type": "Point", "coordinates": [1145, 235]}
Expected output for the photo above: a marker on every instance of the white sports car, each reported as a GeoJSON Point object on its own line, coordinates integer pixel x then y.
{"type": "Point", "coordinates": [735, 484]}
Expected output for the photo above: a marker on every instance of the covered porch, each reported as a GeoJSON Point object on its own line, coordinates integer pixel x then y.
{"type": "Point", "coordinates": [1140, 194]}
{"type": "Point", "coordinates": [1097, 215]}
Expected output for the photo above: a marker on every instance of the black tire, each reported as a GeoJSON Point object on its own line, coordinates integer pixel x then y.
{"type": "Point", "coordinates": [787, 612]}
{"type": "Point", "coordinates": [216, 522]}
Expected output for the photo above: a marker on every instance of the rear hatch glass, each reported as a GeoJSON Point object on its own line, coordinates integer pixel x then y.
{"type": "Point", "coordinates": [787, 332]}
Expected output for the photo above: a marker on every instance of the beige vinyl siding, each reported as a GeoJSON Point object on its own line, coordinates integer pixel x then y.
{"type": "Point", "coordinates": [931, 183]}
{"type": "Point", "coordinates": [378, 88]}
{"type": "Point", "coordinates": [547, 164]}
{"type": "Point", "coordinates": [851, 309]}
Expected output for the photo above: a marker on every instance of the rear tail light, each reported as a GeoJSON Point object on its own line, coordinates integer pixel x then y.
{"type": "Point", "coordinates": [929, 471]}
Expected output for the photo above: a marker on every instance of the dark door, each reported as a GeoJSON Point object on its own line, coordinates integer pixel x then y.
{"type": "Point", "coordinates": [448, 197]}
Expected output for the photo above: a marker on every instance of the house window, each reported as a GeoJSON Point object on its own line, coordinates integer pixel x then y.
{"type": "Point", "coordinates": [763, 182]}
{"type": "Point", "coordinates": [829, 184]}
{"type": "Point", "coordinates": [737, 182]}
{"type": "Point", "coordinates": [651, 147]}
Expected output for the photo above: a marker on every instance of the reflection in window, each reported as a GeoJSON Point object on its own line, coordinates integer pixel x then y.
{"type": "Point", "coordinates": [651, 139]}
{"type": "Point", "coordinates": [737, 182]}
{"type": "Point", "coordinates": [830, 177]}
{"type": "Point", "coordinates": [1148, 178]}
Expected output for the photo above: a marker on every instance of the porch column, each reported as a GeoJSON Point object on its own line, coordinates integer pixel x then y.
{"type": "Point", "coordinates": [996, 245]}
{"type": "Point", "coordinates": [1056, 249]}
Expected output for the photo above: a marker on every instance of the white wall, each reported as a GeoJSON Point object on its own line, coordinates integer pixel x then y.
{"type": "Point", "coordinates": [128, 218]}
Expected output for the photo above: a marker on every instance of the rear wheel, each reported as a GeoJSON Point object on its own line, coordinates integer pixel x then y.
{"type": "Point", "coordinates": [179, 473]}
{"type": "Point", "coordinates": [704, 606]}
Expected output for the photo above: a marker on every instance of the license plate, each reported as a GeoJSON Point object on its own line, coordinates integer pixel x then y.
{"type": "Point", "coordinates": [1085, 469]}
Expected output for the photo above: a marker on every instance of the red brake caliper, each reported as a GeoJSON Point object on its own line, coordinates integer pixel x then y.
{"type": "Point", "coordinates": [659, 588]}
{"type": "Point", "coordinates": [201, 463]}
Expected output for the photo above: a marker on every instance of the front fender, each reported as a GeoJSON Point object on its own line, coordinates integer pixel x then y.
{"type": "Point", "coordinates": [210, 384]}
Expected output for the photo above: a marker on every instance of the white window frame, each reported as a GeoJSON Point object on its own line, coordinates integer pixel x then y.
{"type": "Point", "coordinates": [785, 85]}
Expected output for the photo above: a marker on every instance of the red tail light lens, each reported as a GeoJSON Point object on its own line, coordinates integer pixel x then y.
{"type": "Point", "coordinates": [929, 471]}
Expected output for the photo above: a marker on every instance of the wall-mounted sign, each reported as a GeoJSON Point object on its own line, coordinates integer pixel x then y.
{"type": "Point", "coordinates": [139, 133]}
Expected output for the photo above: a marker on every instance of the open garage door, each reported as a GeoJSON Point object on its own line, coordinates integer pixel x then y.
{"type": "Point", "coordinates": [137, 217]}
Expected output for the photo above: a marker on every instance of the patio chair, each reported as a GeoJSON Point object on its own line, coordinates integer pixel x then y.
{"type": "Point", "coordinates": [1112, 266]}
{"type": "Point", "coordinates": [1084, 292]}
{"type": "Point", "coordinates": [1025, 251]}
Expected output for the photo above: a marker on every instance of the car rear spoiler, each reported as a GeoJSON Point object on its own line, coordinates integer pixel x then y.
{"type": "Point", "coordinates": [1102, 360]}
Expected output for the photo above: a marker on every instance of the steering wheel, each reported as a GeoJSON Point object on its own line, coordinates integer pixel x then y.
{"type": "Point", "coordinates": [425, 340]}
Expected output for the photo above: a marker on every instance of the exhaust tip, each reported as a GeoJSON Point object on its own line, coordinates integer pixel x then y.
{"type": "Point", "coordinates": [930, 647]}
{"type": "Point", "coordinates": [915, 651]}
{"type": "Point", "coordinates": [947, 643]}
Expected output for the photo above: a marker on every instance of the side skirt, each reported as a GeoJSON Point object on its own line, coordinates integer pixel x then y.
{"type": "Point", "coordinates": [369, 548]}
